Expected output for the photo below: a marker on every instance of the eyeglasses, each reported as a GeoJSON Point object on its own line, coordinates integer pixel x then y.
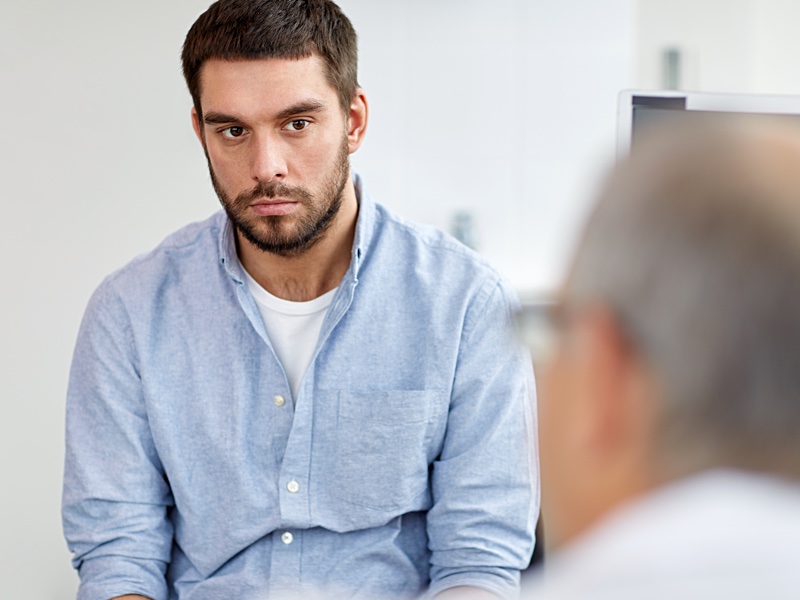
{"type": "Point", "coordinates": [539, 326]}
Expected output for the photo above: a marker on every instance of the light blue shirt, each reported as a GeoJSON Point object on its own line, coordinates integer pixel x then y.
{"type": "Point", "coordinates": [406, 464]}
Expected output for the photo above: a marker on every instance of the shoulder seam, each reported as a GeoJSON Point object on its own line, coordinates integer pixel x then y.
{"type": "Point", "coordinates": [166, 245]}
{"type": "Point", "coordinates": [442, 243]}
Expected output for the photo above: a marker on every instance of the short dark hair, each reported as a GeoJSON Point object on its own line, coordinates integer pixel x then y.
{"type": "Point", "coordinates": [257, 29]}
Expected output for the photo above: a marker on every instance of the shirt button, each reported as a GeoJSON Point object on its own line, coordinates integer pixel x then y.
{"type": "Point", "coordinates": [287, 538]}
{"type": "Point", "coordinates": [293, 487]}
{"type": "Point", "coordinates": [279, 400]}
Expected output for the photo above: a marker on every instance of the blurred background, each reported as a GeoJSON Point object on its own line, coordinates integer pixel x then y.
{"type": "Point", "coordinates": [493, 119]}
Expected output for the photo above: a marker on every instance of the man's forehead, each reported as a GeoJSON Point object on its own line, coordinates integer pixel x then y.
{"type": "Point", "coordinates": [265, 81]}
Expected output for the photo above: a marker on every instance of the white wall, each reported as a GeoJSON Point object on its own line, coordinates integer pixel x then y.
{"type": "Point", "coordinates": [501, 107]}
{"type": "Point", "coordinates": [715, 37]}
{"type": "Point", "coordinates": [777, 47]}
{"type": "Point", "coordinates": [742, 46]}
{"type": "Point", "coordinates": [98, 163]}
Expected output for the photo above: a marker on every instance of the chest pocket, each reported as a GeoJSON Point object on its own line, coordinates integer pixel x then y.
{"type": "Point", "coordinates": [383, 445]}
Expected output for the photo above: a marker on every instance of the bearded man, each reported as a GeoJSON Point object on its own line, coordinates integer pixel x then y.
{"type": "Point", "coordinates": [304, 393]}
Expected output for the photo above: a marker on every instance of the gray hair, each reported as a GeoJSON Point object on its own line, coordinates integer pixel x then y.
{"type": "Point", "coordinates": [695, 248]}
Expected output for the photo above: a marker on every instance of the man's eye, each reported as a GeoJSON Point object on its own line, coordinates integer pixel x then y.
{"type": "Point", "coordinates": [233, 132]}
{"type": "Point", "coordinates": [297, 125]}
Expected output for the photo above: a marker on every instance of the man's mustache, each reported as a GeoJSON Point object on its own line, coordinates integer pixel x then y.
{"type": "Point", "coordinates": [266, 189]}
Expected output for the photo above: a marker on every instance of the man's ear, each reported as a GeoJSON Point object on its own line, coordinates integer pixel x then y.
{"type": "Point", "coordinates": [357, 120]}
{"type": "Point", "coordinates": [198, 128]}
{"type": "Point", "coordinates": [619, 400]}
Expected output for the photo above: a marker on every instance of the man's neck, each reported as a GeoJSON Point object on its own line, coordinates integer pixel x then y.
{"type": "Point", "coordinates": [313, 272]}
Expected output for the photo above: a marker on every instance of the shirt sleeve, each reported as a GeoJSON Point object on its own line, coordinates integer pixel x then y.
{"type": "Point", "coordinates": [485, 481]}
{"type": "Point", "coordinates": [115, 496]}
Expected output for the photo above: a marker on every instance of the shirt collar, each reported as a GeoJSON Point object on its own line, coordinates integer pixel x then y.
{"type": "Point", "coordinates": [365, 226]}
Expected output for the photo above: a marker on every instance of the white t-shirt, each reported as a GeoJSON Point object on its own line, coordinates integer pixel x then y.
{"type": "Point", "coordinates": [293, 328]}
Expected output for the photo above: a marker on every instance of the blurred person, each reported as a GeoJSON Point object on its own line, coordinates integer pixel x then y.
{"type": "Point", "coordinates": [670, 405]}
{"type": "Point", "coordinates": [304, 393]}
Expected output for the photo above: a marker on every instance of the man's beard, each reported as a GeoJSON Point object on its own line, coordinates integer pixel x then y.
{"type": "Point", "coordinates": [267, 232]}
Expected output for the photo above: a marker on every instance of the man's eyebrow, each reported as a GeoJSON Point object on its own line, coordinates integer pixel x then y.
{"type": "Point", "coordinates": [216, 118]}
{"type": "Point", "coordinates": [306, 106]}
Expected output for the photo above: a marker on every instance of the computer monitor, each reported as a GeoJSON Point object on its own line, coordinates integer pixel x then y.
{"type": "Point", "coordinates": [639, 109]}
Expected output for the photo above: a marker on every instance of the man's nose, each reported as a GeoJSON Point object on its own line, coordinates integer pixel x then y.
{"type": "Point", "coordinates": [268, 159]}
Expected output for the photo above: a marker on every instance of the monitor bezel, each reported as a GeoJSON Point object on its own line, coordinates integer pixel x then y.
{"type": "Point", "coordinates": [703, 101]}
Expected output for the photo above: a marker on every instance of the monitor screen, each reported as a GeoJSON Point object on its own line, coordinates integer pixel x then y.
{"type": "Point", "coordinates": [639, 110]}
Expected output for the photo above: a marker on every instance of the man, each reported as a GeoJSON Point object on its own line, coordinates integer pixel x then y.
{"type": "Point", "coordinates": [303, 394]}
{"type": "Point", "coordinates": [670, 409]}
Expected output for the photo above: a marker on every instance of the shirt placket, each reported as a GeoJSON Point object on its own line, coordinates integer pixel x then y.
{"type": "Point", "coordinates": [295, 473]}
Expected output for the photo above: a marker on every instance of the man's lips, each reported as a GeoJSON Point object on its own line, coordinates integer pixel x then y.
{"type": "Point", "coordinates": [278, 206]}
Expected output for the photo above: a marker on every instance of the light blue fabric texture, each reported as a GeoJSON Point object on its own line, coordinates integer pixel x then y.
{"type": "Point", "coordinates": [405, 466]}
